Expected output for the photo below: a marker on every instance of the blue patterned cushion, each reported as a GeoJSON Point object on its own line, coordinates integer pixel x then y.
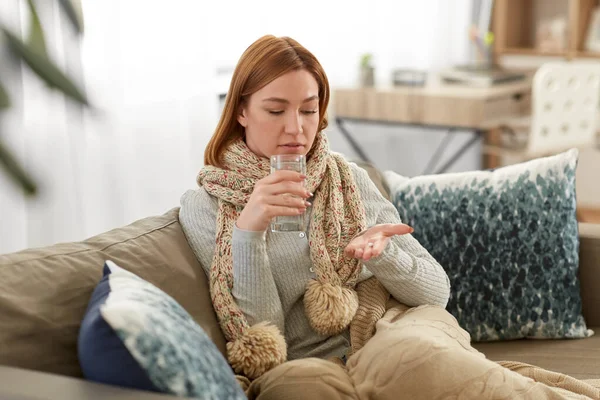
{"type": "Point", "coordinates": [508, 240]}
{"type": "Point", "coordinates": [135, 335]}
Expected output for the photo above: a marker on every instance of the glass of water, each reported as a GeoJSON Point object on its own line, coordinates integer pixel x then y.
{"type": "Point", "coordinates": [290, 162]}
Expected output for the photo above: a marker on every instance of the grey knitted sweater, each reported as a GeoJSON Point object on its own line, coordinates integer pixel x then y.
{"type": "Point", "coordinates": [271, 270]}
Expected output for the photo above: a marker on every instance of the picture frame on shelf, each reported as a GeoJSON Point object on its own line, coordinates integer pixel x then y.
{"type": "Point", "coordinates": [592, 41]}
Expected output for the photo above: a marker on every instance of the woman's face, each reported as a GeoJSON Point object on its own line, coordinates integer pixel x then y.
{"type": "Point", "coordinates": [283, 116]}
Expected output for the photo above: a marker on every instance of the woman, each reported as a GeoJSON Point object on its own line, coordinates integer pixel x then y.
{"type": "Point", "coordinates": [307, 296]}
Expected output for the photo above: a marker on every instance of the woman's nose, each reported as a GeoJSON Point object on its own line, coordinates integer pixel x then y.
{"type": "Point", "coordinates": [293, 124]}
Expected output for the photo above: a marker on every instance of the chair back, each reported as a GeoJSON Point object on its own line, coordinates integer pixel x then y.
{"type": "Point", "coordinates": [565, 105]}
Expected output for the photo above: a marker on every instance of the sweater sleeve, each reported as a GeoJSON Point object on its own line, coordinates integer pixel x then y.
{"type": "Point", "coordinates": [405, 268]}
{"type": "Point", "coordinates": [254, 288]}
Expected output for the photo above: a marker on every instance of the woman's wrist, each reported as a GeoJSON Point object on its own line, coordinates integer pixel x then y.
{"type": "Point", "coordinates": [249, 227]}
{"type": "Point", "coordinates": [246, 230]}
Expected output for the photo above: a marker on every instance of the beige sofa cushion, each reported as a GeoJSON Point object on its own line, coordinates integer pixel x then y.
{"type": "Point", "coordinates": [589, 272]}
{"type": "Point", "coordinates": [579, 358]}
{"type": "Point", "coordinates": [44, 292]}
{"type": "Point", "coordinates": [375, 176]}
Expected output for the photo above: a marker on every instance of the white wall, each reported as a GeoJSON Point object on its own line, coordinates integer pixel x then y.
{"type": "Point", "coordinates": [176, 71]}
{"type": "Point", "coordinates": [428, 35]}
{"type": "Point", "coordinates": [154, 67]}
{"type": "Point", "coordinates": [151, 71]}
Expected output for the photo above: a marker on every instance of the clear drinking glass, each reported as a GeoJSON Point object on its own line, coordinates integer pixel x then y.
{"type": "Point", "coordinates": [290, 162]}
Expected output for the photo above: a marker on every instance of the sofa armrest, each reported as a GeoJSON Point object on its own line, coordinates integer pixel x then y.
{"type": "Point", "coordinates": [589, 272]}
{"type": "Point", "coordinates": [22, 384]}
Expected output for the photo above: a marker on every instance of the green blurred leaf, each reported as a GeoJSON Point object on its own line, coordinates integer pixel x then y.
{"type": "Point", "coordinates": [16, 172]}
{"type": "Point", "coordinates": [74, 14]}
{"type": "Point", "coordinates": [36, 38]}
{"type": "Point", "coordinates": [4, 99]}
{"type": "Point", "coordinates": [45, 69]}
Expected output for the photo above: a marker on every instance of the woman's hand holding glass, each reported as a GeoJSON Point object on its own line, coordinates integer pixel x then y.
{"type": "Point", "coordinates": [281, 193]}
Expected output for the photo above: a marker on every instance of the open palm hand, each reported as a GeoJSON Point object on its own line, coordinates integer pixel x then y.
{"type": "Point", "coordinates": [373, 241]}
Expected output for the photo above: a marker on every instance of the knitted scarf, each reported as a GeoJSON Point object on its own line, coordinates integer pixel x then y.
{"type": "Point", "coordinates": [330, 301]}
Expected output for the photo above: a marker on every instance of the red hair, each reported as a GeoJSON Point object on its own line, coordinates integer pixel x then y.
{"type": "Point", "coordinates": [264, 61]}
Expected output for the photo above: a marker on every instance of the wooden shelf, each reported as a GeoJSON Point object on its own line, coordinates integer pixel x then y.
{"type": "Point", "coordinates": [524, 51]}
{"type": "Point", "coordinates": [588, 214]}
{"type": "Point", "coordinates": [587, 54]}
{"type": "Point", "coordinates": [515, 24]}
{"type": "Point", "coordinates": [531, 52]}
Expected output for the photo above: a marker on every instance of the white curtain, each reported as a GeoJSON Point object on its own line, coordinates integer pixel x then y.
{"type": "Point", "coordinates": [154, 70]}
{"type": "Point", "coordinates": [43, 130]}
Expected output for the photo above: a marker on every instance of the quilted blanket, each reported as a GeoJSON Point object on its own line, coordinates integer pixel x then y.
{"type": "Point", "coordinates": [417, 353]}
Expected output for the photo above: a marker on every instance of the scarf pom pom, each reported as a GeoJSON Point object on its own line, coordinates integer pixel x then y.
{"type": "Point", "coordinates": [329, 308]}
{"type": "Point", "coordinates": [259, 349]}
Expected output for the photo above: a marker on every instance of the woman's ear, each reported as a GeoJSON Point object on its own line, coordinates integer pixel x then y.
{"type": "Point", "coordinates": [242, 117]}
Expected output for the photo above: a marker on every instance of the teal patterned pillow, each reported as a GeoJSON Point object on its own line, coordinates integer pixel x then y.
{"type": "Point", "coordinates": [508, 240]}
{"type": "Point", "coordinates": [135, 335]}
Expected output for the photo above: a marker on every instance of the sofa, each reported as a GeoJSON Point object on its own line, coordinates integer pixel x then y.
{"type": "Point", "coordinates": [44, 293]}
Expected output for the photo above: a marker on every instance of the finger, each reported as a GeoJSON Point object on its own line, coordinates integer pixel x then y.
{"type": "Point", "coordinates": [350, 250]}
{"type": "Point", "coordinates": [287, 200]}
{"type": "Point", "coordinates": [358, 243]}
{"type": "Point", "coordinates": [358, 253]}
{"type": "Point", "coordinates": [288, 187]}
{"type": "Point", "coordinates": [283, 175]}
{"type": "Point", "coordinates": [379, 247]}
{"type": "Point", "coordinates": [279, 211]}
{"type": "Point", "coordinates": [395, 229]}
{"type": "Point", "coordinates": [368, 251]}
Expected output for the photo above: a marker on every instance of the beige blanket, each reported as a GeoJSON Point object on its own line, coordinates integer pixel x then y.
{"type": "Point", "coordinates": [417, 353]}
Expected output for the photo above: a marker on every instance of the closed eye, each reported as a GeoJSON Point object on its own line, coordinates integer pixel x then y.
{"type": "Point", "coordinates": [306, 112]}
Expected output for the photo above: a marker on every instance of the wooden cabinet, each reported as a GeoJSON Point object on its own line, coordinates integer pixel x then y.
{"type": "Point", "coordinates": [515, 24]}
